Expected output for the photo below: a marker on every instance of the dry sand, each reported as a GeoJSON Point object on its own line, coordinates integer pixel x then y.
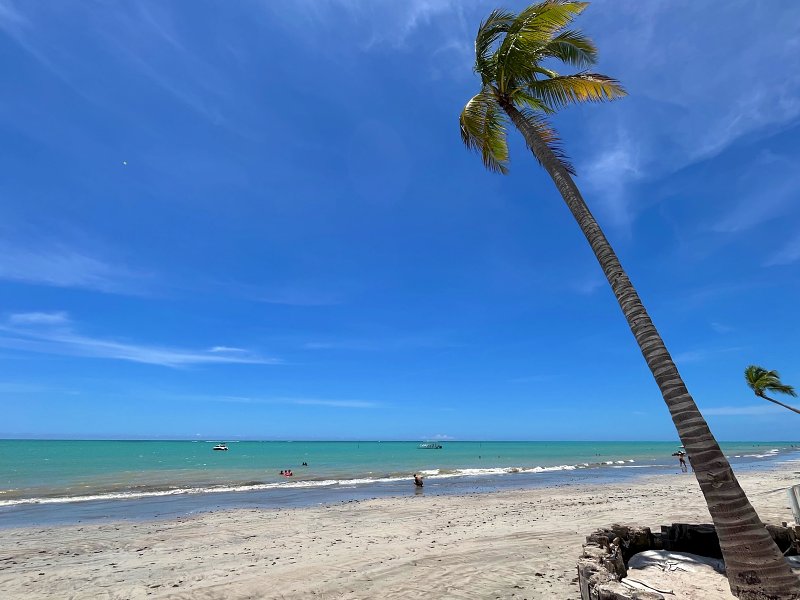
{"type": "Point", "coordinates": [519, 544]}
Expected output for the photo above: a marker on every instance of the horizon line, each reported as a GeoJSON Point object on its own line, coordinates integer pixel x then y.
{"type": "Point", "coordinates": [218, 439]}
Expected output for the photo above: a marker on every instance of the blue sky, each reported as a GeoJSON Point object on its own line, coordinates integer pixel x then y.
{"type": "Point", "coordinates": [256, 219]}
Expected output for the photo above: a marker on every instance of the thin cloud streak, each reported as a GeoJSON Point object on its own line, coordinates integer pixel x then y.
{"type": "Point", "coordinates": [587, 285]}
{"type": "Point", "coordinates": [788, 254]}
{"type": "Point", "coordinates": [531, 379]}
{"type": "Point", "coordinates": [388, 22]}
{"type": "Point", "coordinates": [137, 38]}
{"type": "Point", "coordinates": [607, 176]}
{"type": "Point", "coordinates": [300, 294]}
{"type": "Point", "coordinates": [39, 318]}
{"type": "Point", "coordinates": [65, 267]}
{"type": "Point", "coordinates": [294, 401]}
{"type": "Point", "coordinates": [446, 28]}
{"type": "Point", "coordinates": [62, 340]}
{"type": "Point", "coordinates": [770, 189]}
{"type": "Point", "coordinates": [673, 121]}
{"type": "Point", "coordinates": [721, 327]}
{"type": "Point", "coordinates": [388, 343]}
{"type": "Point", "coordinates": [300, 298]}
{"type": "Point", "coordinates": [735, 411]}
{"type": "Point", "coordinates": [702, 354]}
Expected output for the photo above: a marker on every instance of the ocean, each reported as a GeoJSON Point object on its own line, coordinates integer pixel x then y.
{"type": "Point", "coordinates": [48, 481]}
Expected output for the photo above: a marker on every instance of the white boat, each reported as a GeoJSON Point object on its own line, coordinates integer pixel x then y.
{"type": "Point", "coordinates": [430, 446]}
{"type": "Point", "coordinates": [220, 447]}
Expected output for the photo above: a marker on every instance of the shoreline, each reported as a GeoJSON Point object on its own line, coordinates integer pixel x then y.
{"type": "Point", "coordinates": [485, 545]}
{"type": "Point", "coordinates": [177, 503]}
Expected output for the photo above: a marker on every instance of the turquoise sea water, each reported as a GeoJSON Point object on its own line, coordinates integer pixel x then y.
{"type": "Point", "coordinates": [59, 472]}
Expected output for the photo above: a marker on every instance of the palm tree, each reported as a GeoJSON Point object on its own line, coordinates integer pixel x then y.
{"type": "Point", "coordinates": [513, 57]}
{"type": "Point", "coordinates": [760, 380]}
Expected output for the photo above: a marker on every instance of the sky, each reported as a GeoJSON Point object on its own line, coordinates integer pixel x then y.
{"type": "Point", "coordinates": [257, 220]}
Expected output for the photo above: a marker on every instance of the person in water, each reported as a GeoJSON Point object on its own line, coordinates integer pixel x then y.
{"type": "Point", "coordinates": [417, 480]}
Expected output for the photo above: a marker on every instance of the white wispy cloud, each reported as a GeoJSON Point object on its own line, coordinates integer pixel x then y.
{"type": "Point", "coordinates": [15, 387]}
{"type": "Point", "coordinates": [589, 284]}
{"type": "Point", "coordinates": [299, 293]}
{"type": "Point", "coordinates": [446, 28]}
{"type": "Point", "coordinates": [531, 379]}
{"type": "Point", "coordinates": [39, 318]}
{"type": "Point", "coordinates": [385, 21]}
{"type": "Point", "coordinates": [389, 342]}
{"type": "Point", "coordinates": [226, 349]}
{"type": "Point", "coordinates": [145, 37]}
{"type": "Point", "coordinates": [9, 15]}
{"type": "Point", "coordinates": [61, 265]}
{"type": "Point", "coordinates": [769, 189]}
{"type": "Point", "coordinates": [674, 121]}
{"type": "Point", "coordinates": [721, 327]}
{"type": "Point", "coordinates": [331, 403]}
{"type": "Point", "coordinates": [607, 176]}
{"type": "Point", "coordinates": [702, 354]}
{"type": "Point", "coordinates": [732, 411]}
{"type": "Point", "coordinates": [141, 37]}
{"type": "Point", "coordinates": [788, 254]}
{"type": "Point", "coordinates": [750, 110]}
{"type": "Point", "coordinates": [300, 297]}
{"type": "Point", "coordinates": [58, 337]}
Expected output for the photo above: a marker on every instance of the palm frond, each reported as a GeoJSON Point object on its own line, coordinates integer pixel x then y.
{"type": "Point", "coordinates": [483, 129]}
{"type": "Point", "coordinates": [533, 28]}
{"type": "Point", "coordinates": [536, 70]}
{"type": "Point", "coordinates": [760, 380]}
{"type": "Point", "coordinates": [573, 48]}
{"type": "Point", "coordinates": [489, 32]}
{"type": "Point", "coordinates": [509, 51]}
{"type": "Point", "coordinates": [783, 389]}
{"type": "Point", "coordinates": [539, 125]}
{"type": "Point", "coordinates": [524, 100]}
{"type": "Point", "coordinates": [536, 25]}
{"type": "Point", "coordinates": [752, 375]}
{"type": "Point", "coordinates": [558, 92]}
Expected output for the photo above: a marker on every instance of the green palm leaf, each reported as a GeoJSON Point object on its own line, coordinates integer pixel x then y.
{"type": "Point", "coordinates": [557, 92]}
{"type": "Point", "coordinates": [535, 25]}
{"type": "Point", "coordinates": [527, 37]}
{"type": "Point", "coordinates": [509, 52]}
{"type": "Point", "coordinates": [483, 129]}
{"type": "Point", "coordinates": [495, 25]}
{"type": "Point", "coordinates": [572, 48]}
{"type": "Point", "coordinates": [761, 381]}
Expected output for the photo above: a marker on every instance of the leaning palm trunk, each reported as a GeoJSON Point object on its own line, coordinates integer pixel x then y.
{"type": "Point", "coordinates": [755, 566]}
{"type": "Point", "coordinates": [778, 402]}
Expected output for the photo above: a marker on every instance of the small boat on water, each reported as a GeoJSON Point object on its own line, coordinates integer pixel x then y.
{"type": "Point", "coordinates": [220, 447]}
{"type": "Point", "coordinates": [430, 446]}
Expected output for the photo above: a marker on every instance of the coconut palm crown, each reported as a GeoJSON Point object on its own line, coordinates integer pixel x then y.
{"type": "Point", "coordinates": [762, 381]}
{"type": "Point", "coordinates": [510, 55]}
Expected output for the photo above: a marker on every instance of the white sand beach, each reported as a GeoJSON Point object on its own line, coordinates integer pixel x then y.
{"type": "Point", "coordinates": [519, 544]}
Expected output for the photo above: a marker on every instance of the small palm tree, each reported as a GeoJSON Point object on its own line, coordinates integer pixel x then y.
{"type": "Point", "coordinates": [760, 381]}
{"type": "Point", "coordinates": [514, 56]}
